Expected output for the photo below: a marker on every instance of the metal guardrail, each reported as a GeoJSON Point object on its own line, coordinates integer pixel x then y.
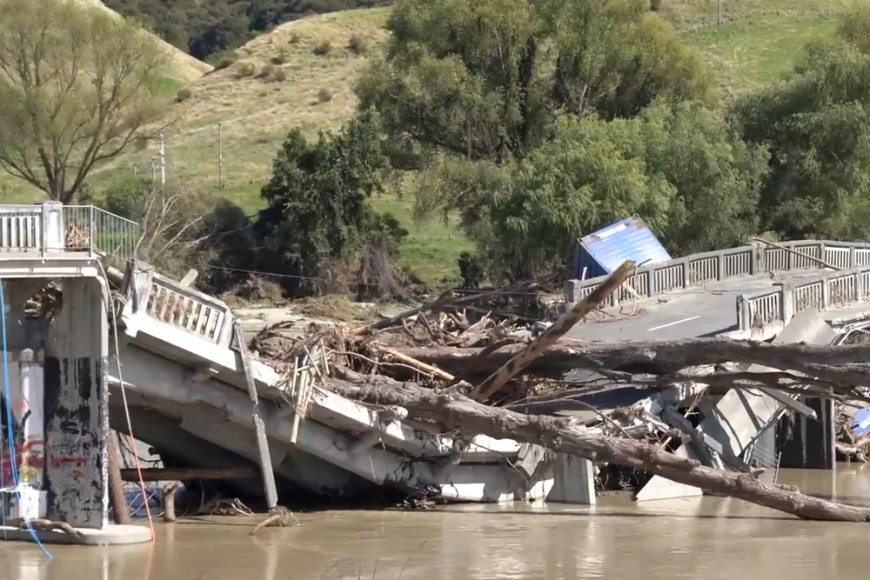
{"type": "Point", "coordinates": [51, 228]}
{"type": "Point", "coordinates": [97, 231]}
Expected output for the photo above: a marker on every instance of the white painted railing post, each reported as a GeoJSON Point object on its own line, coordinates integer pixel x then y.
{"type": "Point", "coordinates": [138, 278]}
{"type": "Point", "coordinates": [52, 226]}
{"type": "Point", "coordinates": [786, 300]}
{"type": "Point", "coordinates": [826, 291]}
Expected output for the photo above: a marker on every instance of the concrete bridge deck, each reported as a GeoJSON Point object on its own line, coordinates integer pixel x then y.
{"type": "Point", "coordinates": [695, 312]}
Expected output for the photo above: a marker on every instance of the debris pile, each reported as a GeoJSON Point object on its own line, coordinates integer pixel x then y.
{"type": "Point", "coordinates": [495, 375]}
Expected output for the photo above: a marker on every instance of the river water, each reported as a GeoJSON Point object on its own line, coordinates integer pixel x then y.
{"type": "Point", "coordinates": [691, 538]}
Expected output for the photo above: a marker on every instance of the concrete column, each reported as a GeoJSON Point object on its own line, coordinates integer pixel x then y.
{"type": "Point", "coordinates": [32, 389]}
{"type": "Point", "coordinates": [809, 443]}
{"type": "Point", "coordinates": [573, 480]}
{"type": "Point", "coordinates": [76, 408]}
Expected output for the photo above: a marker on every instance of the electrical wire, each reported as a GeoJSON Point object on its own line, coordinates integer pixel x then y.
{"type": "Point", "coordinates": [130, 433]}
{"type": "Point", "coordinates": [7, 392]}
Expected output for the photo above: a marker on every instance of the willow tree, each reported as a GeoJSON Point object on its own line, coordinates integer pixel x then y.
{"type": "Point", "coordinates": [78, 85]}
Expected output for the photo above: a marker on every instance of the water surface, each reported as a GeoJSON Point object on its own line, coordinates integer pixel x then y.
{"type": "Point", "coordinates": [692, 538]}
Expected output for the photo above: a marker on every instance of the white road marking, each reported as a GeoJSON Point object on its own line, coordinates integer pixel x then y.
{"type": "Point", "coordinates": [672, 323]}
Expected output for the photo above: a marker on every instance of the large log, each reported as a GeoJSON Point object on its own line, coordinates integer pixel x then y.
{"type": "Point", "coordinates": [501, 376]}
{"type": "Point", "coordinates": [846, 365]}
{"type": "Point", "coordinates": [456, 412]}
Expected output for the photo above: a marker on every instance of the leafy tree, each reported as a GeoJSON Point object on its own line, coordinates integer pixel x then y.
{"type": "Point", "coordinates": [485, 78]}
{"type": "Point", "coordinates": [692, 180]}
{"type": "Point", "coordinates": [318, 220]}
{"type": "Point", "coordinates": [77, 87]}
{"type": "Point", "coordinates": [817, 127]}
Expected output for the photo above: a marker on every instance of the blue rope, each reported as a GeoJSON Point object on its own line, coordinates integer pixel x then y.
{"type": "Point", "coordinates": [10, 434]}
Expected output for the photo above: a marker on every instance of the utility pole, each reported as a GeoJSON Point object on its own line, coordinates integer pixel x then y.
{"type": "Point", "coordinates": [220, 156]}
{"type": "Point", "coordinates": [162, 156]}
{"type": "Point", "coordinates": [718, 12]}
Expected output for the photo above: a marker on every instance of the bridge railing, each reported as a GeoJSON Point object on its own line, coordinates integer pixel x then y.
{"type": "Point", "coordinates": [183, 308]}
{"type": "Point", "coordinates": [51, 229]}
{"type": "Point", "coordinates": [824, 291]}
{"type": "Point", "coordinates": [699, 269]}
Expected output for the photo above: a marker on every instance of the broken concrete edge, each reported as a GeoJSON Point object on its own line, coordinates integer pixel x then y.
{"type": "Point", "coordinates": [111, 535]}
{"type": "Point", "coordinates": [149, 375]}
{"type": "Point", "coordinates": [326, 407]}
{"type": "Point", "coordinates": [737, 420]}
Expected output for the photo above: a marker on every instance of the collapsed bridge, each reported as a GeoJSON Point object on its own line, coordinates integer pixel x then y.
{"type": "Point", "coordinates": [167, 357]}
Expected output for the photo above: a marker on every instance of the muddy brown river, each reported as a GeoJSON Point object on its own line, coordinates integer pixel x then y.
{"type": "Point", "coordinates": [693, 538]}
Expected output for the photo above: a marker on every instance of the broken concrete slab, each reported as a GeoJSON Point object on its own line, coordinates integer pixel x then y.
{"type": "Point", "coordinates": [738, 418]}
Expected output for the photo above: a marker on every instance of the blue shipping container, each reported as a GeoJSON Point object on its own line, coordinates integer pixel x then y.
{"type": "Point", "coordinates": [604, 251]}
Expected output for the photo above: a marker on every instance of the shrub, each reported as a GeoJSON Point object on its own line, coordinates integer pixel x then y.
{"type": "Point", "coordinates": [280, 75]}
{"type": "Point", "coordinates": [280, 58]}
{"type": "Point", "coordinates": [247, 69]}
{"type": "Point", "coordinates": [183, 95]}
{"type": "Point", "coordinates": [266, 72]}
{"type": "Point", "coordinates": [324, 95]}
{"type": "Point", "coordinates": [323, 48]}
{"type": "Point", "coordinates": [226, 61]}
{"type": "Point", "coordinates": [357, 44]}
{"type": "Point", "coordinates": [294, 38]}
{"type": "Point", "coordinates": [655, 5]}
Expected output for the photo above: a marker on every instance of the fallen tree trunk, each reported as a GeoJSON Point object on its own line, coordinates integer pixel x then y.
{"type": "Point", "coordinates": [566, 322]}
{"type": "Point", "coordinates": [456, 412]}
{"type": "Point", "coordinates": [840, 364]}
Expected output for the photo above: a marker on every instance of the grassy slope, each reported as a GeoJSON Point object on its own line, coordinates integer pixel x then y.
{"type": "Point", "coordinates": [757, 43]}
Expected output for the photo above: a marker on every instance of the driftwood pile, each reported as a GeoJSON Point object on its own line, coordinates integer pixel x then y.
{"type": "Point", "coordinates": [497, 376]}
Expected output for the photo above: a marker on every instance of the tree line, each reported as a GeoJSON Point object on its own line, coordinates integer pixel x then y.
{"type": "Point", "coordinates": [533, 121]}
{"type": "Point", "coordinates": [205, 29]}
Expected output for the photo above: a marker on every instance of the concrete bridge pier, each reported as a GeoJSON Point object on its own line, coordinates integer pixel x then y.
{"type": "Point", "coordinates": [76, 407]}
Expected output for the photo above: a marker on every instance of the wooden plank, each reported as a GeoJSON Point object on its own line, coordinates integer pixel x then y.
{"type": "Point", "coordinates": [188, 473]}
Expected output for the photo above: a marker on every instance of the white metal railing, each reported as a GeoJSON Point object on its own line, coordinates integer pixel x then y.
{"type": "Point", "coordinates": [51, 228]}
{"type": "Point", "coordinates": [91, 229]}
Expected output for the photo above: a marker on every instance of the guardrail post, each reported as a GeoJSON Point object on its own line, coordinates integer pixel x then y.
{"type": "Point", "coordinates": [860, 291]}
{"type": "Point", "coordinates": [744, 313]}
{"type": "Point", "coordinates": [757, 262]}
{"type": "Point", "coordinates": [852, 258]}
{"type": "Point", "coordinates": [91, 230]}
{"type": "Point", "coordinates": [720, 272]}
{"type": "Point", "coordinates": [653, 287]}
{"type": "Point", "coordinates": [786, 300]}
{"type": "Point", "coordinates": [826, 292]}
